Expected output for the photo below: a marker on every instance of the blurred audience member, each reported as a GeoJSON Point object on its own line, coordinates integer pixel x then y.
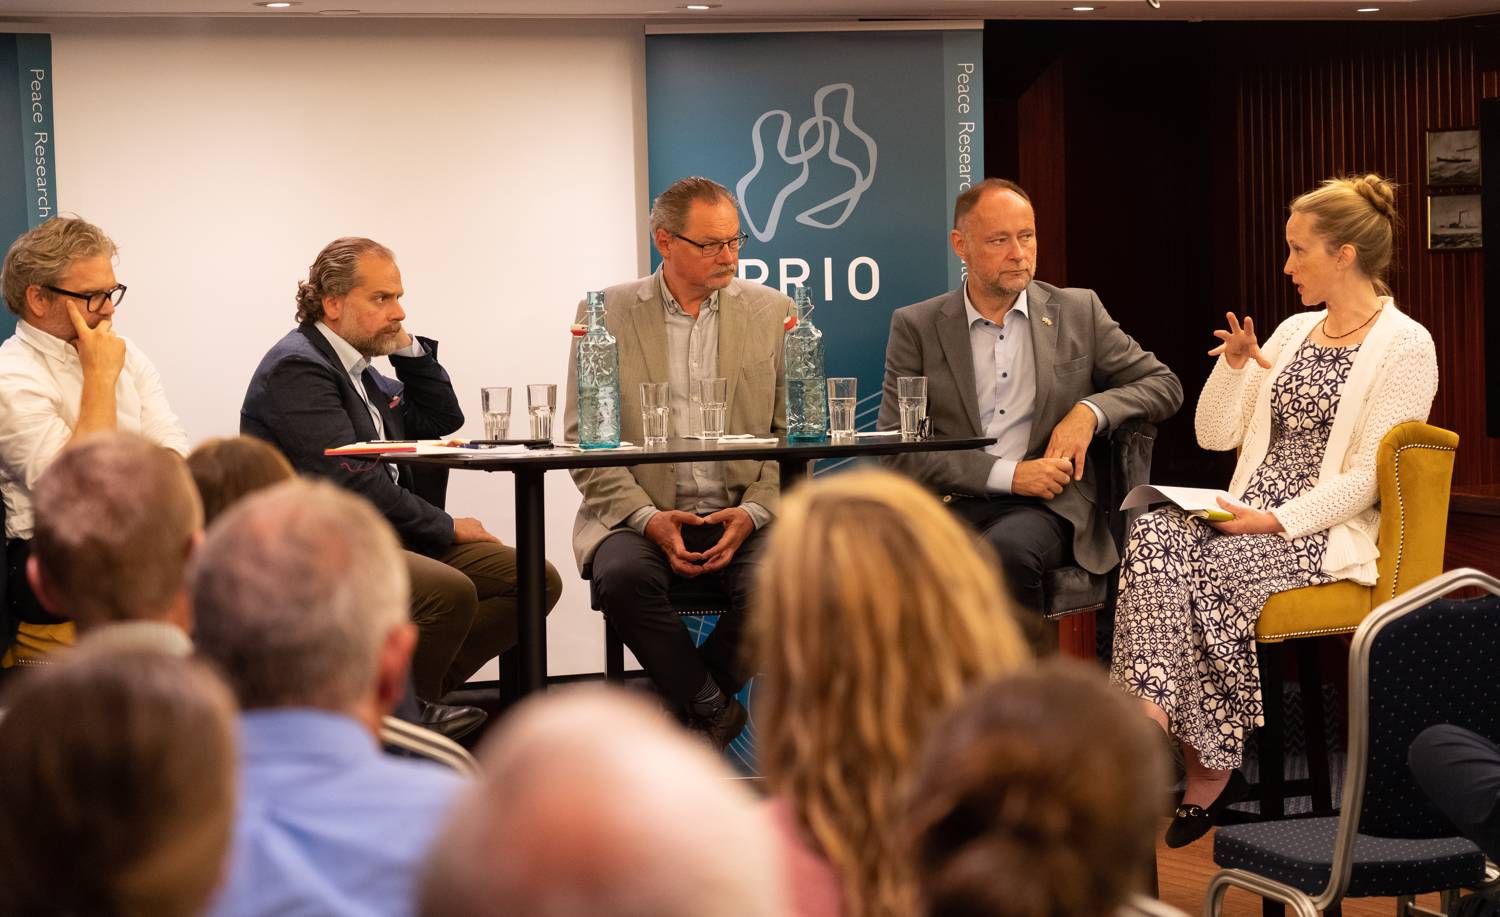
{"type": "Point", "coordinates": [876, 611]}
{"type": "Point", "coordinates": [116, 786]}
{"type": "Point", "coordinates": [1037, 797]}
{"type": "Point", "coordinates": [228, 468]}
{"type": "Point", "coordinates": [116, 519]}
{"type": "Point", "coordinates": [301, 599]}
{"type": "Point", "coordinates": [594, 805]}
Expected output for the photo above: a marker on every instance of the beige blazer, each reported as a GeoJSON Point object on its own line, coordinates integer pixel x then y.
{"type": "Point", "coordinates": [751, 318]}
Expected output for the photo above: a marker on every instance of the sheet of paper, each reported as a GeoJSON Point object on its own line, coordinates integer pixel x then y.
{"type": "Point", "coordinates": [1191, 499]}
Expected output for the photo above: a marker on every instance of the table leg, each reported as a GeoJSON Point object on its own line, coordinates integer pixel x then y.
{"type": "Point", "coordinates": [794, 471]}
{"type": "Point", "coordinates": [531, 576]}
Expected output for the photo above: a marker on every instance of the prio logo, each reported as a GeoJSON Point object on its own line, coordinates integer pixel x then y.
{"type": "Point", "coordinates": [817, 136]}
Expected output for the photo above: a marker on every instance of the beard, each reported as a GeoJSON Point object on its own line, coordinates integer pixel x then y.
{"type": "Point", "coordinates": [379, 344]}
{"type": "Point", "coordinates": [1003, 284]}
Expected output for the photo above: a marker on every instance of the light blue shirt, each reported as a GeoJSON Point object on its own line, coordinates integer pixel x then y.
{"type": "Point", "coordinates": [328, 824]}
{"type": "Point", "coordinates": [1005, 383]}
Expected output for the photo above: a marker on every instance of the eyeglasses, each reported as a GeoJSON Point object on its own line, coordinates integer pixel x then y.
{"type": "Point", "coordinates": [712, 249]}
{"type": "Point", "coordinates": [93, 301]}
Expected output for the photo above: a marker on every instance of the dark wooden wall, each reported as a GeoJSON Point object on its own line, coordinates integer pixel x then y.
{"type": "Point", "coordinates": [1167, 153]}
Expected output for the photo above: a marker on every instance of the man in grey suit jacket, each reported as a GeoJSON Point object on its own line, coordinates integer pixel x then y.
{"type": "Point", "coordinates": [1041, 369]}
{"type": "Point", "coordinates": [642, 528]}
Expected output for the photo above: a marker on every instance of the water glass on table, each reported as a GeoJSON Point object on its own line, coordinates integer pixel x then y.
{"type": "Point", "coordinates": [842, 392]}
{"type": "Point", "coordinates": [541, 402]}
{"type": "Point", "coordinates": [911, 393]}
{"type": "Point", "coordinates": [656, 409]}
{"type": "Point", "coordinates": [712, 395]}
{"type": "Point", "coordinates": [494, 403]}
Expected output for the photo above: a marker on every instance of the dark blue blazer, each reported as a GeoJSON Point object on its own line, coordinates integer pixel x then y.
{"type": "Point", "coordinates": [301, 400]}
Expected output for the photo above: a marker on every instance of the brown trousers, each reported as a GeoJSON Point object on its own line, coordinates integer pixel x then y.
{"type": "Point", "coordinates": [464, 605]}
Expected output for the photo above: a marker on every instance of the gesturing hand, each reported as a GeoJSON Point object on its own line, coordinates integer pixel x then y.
{"type": "Point", "coordinates": [737, 527]}
{"type": "Point", "coordinates": [100, 350]}
{"type": "Point", "coordinates": [665, 528]}
{"type": "Point", "coordinates": [1239, 343]}
{"type": "Point", "coordinates": [467, 530]}
{"type": "Point", "coordinates": [1247, 520]}
{"type": "Point", "coordinates": [1071, 437]}
{"type": "Point", "coordinates": [1043, 477]}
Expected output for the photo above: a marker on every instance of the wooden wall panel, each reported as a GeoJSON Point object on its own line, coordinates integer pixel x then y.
{"type": "Point", "coordinates": [1364, 105]}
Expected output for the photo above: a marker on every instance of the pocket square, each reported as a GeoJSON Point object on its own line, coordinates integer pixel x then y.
{"type": "Point", "coordinates": [394, 401]}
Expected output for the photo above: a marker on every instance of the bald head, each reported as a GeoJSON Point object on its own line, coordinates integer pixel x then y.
{"type": "Point", "coordinates": [595, 806]}
{"type": "Point", "coordinates": [116, 518]}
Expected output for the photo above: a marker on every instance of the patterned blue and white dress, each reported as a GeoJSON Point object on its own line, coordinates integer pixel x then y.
{"type": "Point", "coordinates": [1190, 596]}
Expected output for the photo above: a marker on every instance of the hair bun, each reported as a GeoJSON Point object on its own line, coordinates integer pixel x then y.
{"type": "Point", "coordinates": [1379, 192]}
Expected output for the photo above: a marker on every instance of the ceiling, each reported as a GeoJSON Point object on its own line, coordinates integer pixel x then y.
{"type": "Point", "coordinates": [741, 10]}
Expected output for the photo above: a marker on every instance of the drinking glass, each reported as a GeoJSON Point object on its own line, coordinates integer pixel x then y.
{"type": "Point", "coordinates": [712, 394]}
{"type": "Point", "coordinates": [841, 402]}
{"type": "Point", "coordinates": [912, 394]}
{"type": "Point", "coordinates": [541, 401]}
{"type": "Point", "coordinates": [656, 408]}
{"type": "Point", "coordinates": [494, 403]}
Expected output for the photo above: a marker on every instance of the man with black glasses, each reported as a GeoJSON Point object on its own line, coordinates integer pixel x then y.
{"type": "Point", "coordinates": [641, 529]}
{"type": "Point", "coordinates": [65, 374]}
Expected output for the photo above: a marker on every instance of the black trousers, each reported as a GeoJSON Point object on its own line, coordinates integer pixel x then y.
{"type": "Point", "coordinates": [1459, 771]}
{"type": "Point", "coordinates": [1029, 537]}
{"type": "Point", "coordinates": [631, 580]}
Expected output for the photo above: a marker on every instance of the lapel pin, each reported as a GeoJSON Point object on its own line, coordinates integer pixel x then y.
{"type": "Point", "coordinates": [1047, 320]}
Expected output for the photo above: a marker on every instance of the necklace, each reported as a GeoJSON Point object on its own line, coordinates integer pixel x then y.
{"type": "Point", "coordinates": [1334, 337]}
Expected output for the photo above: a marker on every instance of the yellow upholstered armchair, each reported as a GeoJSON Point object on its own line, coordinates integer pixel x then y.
{"type": "Point", "coordinates": [1415, 471]}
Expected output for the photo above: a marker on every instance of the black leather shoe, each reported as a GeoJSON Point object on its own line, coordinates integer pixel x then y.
{"type": "Point", "coordinates": [721, 723]}
{"type": "Point", "coordinates": [1192, 822]}
{"type": "Point", "coordinates": [450, 722]}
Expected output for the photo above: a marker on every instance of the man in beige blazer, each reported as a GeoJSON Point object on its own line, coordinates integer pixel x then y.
{"type": "Point", "coordinates": [1043, 369]}
{"type": "Point", "coordinates": [642, 528]}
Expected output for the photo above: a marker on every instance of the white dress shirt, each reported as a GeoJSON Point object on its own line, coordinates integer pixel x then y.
{"type": "Point", "coordinates": [1005, 383]}
{"type": "Point", "coordinates": [42, 381]}
{"type": "Point", "coordinates": [355, 364]}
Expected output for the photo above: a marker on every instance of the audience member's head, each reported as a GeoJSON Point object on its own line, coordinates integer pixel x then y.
{"type": "Point", "coordinates": [117, 786]}
{"type": "Point", "coordinates": [116, 520]}
{"type": "Point", "coordinates": [876, 610]}
{"type": "Point", "coordinates": [301, 596]}
{"type": "Point", "coordinates": [1358, 211]}
{"type": "Point", "coordinates": [64, 253]}
{"type": "Point", "coordinates": [1037, 797]}
{"type": "Point", "coordinates": [228, 469]}
{"type": "Point", "coordinates": [592, 805]}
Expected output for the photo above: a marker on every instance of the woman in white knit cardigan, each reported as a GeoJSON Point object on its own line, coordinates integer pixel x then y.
{"type": "Point", "coordinates": [1307, 412]}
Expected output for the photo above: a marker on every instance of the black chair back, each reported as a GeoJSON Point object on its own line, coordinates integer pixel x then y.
{"type": "Point", "coordinates": [1434, 664]}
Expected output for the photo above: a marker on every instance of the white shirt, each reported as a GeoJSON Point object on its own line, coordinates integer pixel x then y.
{"type": "Point", "coordinates": [355, 364]}
{"type": "Point", "coordinates": [42, 383]}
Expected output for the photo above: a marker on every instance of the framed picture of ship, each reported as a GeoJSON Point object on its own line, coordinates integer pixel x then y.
{"type": "Point", "coordinates": [1453, 158]}
{"type": "Point", "coordinates": [1453, 222]}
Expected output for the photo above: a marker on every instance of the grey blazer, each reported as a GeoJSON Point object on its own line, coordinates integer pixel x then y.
{"type": "Point", "coordinates": [1080, 353]}
{"type": "Point", "coordinates": [751, 318]}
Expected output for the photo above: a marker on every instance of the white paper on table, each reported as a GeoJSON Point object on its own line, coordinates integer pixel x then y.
{"type": "Point", "coordinates": [1196, 501]}
{"type": "Point", "coordinates": [477, 452]}
{"type": "Point", "coordinates": [558, 448]}
{"type": "Point", "coordinates": [876, 433]}
{"type": "Point", "coordinates": [747, 438]}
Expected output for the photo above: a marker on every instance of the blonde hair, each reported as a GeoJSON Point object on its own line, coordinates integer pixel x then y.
{"type": "Point", "coordinates": [117, 778]}
{"type": "Point", "coordinates": [875, 611]}
{"type": "Point", "coordinates": [1359, 211]}
{"type": "Point", "coordinates": [116, 517]}
{"type": "Point", "coordinates": [40, 256]}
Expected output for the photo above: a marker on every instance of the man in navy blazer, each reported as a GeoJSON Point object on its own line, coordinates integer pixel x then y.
{"type": "Point", "coordinates": [316, 390]}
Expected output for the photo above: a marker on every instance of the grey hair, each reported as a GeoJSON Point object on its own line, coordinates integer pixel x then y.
{"type": "Point", "coordinates": [334, 273]}
{"type": "Point", "coordinates": [294, 590]}
{"type": "Point", "coordinates": [593, 805]}
{"type": "Point", "coordinates": [40, 256]}
{"type": "Point", "coordinates": [670, 209]}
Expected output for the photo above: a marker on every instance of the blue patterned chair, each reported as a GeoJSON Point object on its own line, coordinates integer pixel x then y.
{"type": "Point", "coordinates": [1417, 660]}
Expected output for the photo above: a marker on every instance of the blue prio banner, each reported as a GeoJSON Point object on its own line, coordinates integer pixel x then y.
{"type": "Point", "coordinates": [28, 170]}
{"type": "Point", "coordinates": [845, 149]}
